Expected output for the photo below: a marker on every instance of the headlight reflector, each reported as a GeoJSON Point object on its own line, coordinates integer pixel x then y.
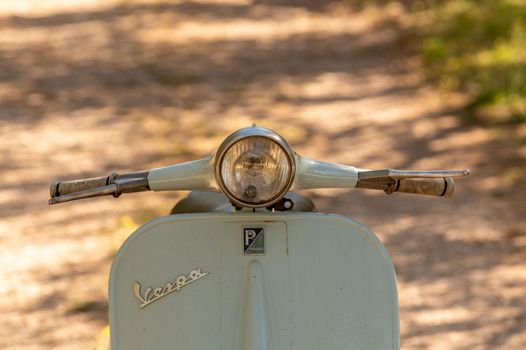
{"type": "Point", "coordinates": [255, 170]}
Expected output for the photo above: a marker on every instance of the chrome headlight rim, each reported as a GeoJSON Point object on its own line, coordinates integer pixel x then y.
{"type": "Point", "coordinates": [250, 132]}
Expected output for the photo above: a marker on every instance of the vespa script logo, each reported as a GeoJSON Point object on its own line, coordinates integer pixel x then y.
{"type": "Point", "coordinates": [150, 294]}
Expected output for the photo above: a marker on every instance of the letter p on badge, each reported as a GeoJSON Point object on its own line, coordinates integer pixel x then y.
{"type": "Point", "coordinates": [254, 241]}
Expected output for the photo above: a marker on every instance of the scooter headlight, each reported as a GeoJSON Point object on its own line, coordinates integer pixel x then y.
{"type": "Point", "coordinates": [254, 167]}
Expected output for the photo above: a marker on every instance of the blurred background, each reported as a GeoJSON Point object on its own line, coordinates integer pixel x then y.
{"type": "Point", "coordinates": [96, 86]}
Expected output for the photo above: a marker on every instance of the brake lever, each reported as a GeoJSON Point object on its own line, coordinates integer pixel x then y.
{"type": "Point", "coordinates": [409, 174]}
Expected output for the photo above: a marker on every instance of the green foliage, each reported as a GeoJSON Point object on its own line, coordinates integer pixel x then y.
{"type": "Point", "coordinates": [479, 48]}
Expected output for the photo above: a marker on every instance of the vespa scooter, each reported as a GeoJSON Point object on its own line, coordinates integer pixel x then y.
{"type": "Point", "coordinates": [245, 263]}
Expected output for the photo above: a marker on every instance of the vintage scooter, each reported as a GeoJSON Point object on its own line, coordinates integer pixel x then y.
{"type": "Point", "coordinates": [244, 264]}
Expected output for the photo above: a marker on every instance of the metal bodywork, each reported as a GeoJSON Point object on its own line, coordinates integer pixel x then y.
{"type": "Point", "coordinates": [199, 175]}
{"type": "Point", "coordinates": [324, 282]}
{"type": "Point", "coordinates": [202, 174]}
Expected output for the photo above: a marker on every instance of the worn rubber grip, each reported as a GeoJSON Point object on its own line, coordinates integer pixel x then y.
{"type": "Point", "coordinates": [442, 187]}
{"type": "Point", "coordinates": [65, 187]}
{"type": "Point", "coordinates": [130, 182]}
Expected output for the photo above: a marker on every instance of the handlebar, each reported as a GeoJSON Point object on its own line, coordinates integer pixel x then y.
{"type": "Point", "coordinates": [440, 187]}
{"type": "Point", "coordinates": [434, 183]}
{"type": "Point", "coordinates": [199, 175]}
{"type": "Point", "coordinates": [114, 184]}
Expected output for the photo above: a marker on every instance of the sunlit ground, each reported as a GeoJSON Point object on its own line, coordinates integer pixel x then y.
{"type": "Point", "coordinates": [92, 87]}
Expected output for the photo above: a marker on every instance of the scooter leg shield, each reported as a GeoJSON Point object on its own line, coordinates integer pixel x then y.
{"type": "Point", "coordinates": [247, 281]}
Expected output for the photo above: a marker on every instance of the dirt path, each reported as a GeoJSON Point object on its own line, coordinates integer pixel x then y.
{"type": "Point", "coordinates": [120, 86]}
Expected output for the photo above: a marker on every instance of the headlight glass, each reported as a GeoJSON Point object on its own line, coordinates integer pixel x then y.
{"type": "Point", "coordinates": [255, 171]}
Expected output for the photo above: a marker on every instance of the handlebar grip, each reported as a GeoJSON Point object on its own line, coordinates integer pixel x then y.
{"type": "Point", "coordinates": [442, 187]}
{"type": "Point", "coordinates": [125, 183]}
{"type": "Point", "coordinates": [65, 187]}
